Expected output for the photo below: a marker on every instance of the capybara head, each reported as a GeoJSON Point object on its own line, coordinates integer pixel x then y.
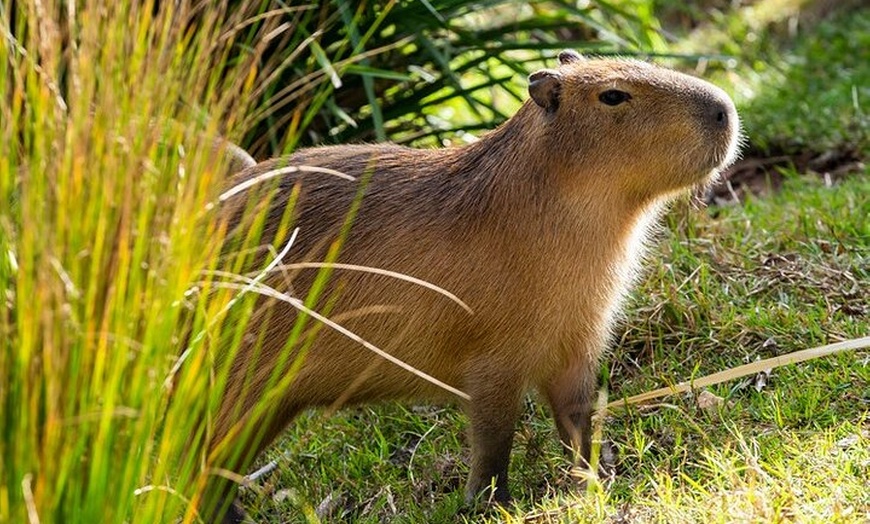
{"type": "Point", "coordinates": [628, 125]}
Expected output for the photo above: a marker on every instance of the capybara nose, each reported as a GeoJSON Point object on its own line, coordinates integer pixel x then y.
{"type": "Point", "coordinates": [719, 112]}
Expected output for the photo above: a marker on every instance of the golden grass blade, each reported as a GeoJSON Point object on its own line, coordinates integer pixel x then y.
{"type": "Point", "coordinates": [295, 302]}
{"type": "Point", "coordinates": [378, 271]}
{"type": "Point", "coordinates": [286, 10]}
{"type": "Point", "coordinates": [279, 172]}
{"type": "Point", "coordinates": [592, 481]}
{"type": "Point", "coordinates": [744, 370]}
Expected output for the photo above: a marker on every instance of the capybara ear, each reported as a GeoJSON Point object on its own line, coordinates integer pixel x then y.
{"type": "Point", "coordinates": [545, 86]}
{"type": "Point", "coordinates": [569, 55]}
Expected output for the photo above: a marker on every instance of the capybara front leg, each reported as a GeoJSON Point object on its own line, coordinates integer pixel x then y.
{"type": "Point", "coordinates": [570, 395]}
{"type": "Point", "coordinates": [493, 412]}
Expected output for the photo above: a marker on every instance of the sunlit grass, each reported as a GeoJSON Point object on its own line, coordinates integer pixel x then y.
{"type": "Point", "coordinates": [107, 117]}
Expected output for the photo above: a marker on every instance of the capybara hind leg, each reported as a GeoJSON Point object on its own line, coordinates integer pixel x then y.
{"type": "Point", "coordinates": [220, 503]}
{"type": "Point", "coordinates": [234, 514]}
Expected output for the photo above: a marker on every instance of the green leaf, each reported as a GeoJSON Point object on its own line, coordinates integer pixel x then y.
{"type": "Point", "coordinates": [377, 73]}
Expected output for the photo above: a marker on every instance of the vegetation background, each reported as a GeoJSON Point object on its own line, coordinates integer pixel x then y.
{"type": "Point", "coordinates": [108, 240]}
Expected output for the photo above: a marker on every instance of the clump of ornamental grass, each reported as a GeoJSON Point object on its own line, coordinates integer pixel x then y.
{"type": "Point", "coordinates": [108, 169]}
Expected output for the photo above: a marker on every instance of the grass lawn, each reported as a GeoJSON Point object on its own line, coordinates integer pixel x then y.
{"type": "Point", "coordinates": [725, 286]}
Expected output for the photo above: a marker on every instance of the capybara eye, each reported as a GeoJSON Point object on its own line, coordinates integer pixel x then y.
{"type": "Point", "coordinates": [614, 97]}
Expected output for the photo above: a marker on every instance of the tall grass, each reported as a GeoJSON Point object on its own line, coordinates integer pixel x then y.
{"type": "Point", "coordinates": [107, 168]}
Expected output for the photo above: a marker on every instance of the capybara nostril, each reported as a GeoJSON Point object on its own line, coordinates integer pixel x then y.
{"type": "Point", "coordinates": [719, 114]}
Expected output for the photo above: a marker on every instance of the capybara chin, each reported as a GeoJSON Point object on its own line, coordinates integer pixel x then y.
{"type": "Point", "coordinates": [537, 227]}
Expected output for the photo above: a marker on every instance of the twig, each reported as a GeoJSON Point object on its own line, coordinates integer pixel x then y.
{"type": "Point", "coordinates": [744, 370]}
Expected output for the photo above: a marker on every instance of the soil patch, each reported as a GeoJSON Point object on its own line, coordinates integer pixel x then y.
{"type": "Point", "coordinates": [762, 173]}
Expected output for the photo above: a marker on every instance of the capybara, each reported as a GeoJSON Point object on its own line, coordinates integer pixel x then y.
{"type": "Point", "coordinates": [537, 227]}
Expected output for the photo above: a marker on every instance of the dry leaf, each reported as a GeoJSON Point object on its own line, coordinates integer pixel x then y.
{"type": "Point", "coordinates": [708, 401]}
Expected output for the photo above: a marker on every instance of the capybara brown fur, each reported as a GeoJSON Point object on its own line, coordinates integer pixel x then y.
{"type": "Point", "coordinates": [537, 227]}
